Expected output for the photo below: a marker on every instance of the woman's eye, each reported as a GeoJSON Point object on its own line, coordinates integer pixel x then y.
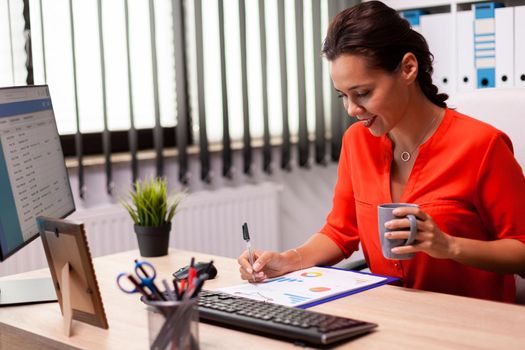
{"type": "Point", "coordinates": [340, 96]}
{"type": "Point", "coordinates": [362, 94]}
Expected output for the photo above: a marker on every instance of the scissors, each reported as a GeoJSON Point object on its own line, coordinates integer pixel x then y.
{"type": "Point", "coordinates": [142, 281]}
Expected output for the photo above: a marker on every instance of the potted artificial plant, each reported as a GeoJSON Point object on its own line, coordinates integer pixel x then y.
{"type": "Point", "coordinates": [152, 212]}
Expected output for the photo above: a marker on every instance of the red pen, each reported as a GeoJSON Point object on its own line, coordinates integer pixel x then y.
{"type": "Point", "coordinates": [182, 288]}
{"type": "Point", "coordinates": [192, 273]}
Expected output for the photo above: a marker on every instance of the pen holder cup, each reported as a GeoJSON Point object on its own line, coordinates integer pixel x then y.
{"type": "Point", "coordinates": [173, 324]}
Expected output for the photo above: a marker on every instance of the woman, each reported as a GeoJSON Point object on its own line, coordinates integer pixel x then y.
{"type": "Point", "coordinates": [409, 147]}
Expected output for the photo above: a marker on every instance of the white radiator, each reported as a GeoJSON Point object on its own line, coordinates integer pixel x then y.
{"type": "Point", "coordinates": [208, 222]}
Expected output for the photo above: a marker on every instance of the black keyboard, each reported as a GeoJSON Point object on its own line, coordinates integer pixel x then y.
{"type": "Point", "coordinates": [298, 325]}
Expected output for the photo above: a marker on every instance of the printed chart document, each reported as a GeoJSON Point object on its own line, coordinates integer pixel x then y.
{"type": "Point", "coordinates": [306, 287]}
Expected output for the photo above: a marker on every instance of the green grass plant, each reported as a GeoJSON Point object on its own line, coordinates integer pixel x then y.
{"type": "Point", "coordinates": [150, 205]}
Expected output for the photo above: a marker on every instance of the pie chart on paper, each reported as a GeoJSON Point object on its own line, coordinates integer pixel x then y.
{"type": "Point", "coordinates": [311, 274]}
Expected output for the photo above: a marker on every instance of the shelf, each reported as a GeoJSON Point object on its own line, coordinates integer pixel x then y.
{"type": "Point", "coordinates": [418, 4]}
{"type": "Point", "coordinates": [500, 96]}
{"type": "Point", "coordinates": [421, 4]}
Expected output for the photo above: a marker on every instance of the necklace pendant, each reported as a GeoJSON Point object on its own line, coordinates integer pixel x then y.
{"type": "Point", "coordinates": [405, 156]}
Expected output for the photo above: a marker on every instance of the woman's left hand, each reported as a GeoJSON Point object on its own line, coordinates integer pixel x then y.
{"type": "Point", "coordinates": [429, 238]}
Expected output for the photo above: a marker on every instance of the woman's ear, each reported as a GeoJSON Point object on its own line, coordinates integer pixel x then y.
{"type": "Point", "coordinates": [409, 67]}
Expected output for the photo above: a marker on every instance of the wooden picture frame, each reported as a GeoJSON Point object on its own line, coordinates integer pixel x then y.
{"type": "Point", "coordinates": [74, 279]}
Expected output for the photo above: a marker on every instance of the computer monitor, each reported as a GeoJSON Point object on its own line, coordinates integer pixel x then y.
{"type": "Point", "coordinates": [33, 181]}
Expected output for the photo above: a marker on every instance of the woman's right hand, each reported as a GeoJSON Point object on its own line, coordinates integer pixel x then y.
{"type": "Point", "coordinates": [319, 249]}
{"type": "Point", "coordinates": [267, 264]}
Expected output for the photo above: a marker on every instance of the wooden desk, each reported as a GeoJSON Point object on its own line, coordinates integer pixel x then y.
{"type": "Point", "coordinates": [408, 319]}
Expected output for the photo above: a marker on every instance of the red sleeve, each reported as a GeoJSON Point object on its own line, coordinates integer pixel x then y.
{"type": "Point", "coordinates": [341, 222]}
{"type": "Point", "coordinates": [501, 191]}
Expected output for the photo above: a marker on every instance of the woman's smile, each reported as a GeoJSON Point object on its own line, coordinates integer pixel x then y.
{"type": "Point", "coordinates": [367, 121]}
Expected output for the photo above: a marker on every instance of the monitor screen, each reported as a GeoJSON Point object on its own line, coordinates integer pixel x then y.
{"type": "Point", "coordinates": [33, 176]}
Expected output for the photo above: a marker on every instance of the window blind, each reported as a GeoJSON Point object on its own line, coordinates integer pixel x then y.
{"type": "Point", "coordinates": [173, 73]}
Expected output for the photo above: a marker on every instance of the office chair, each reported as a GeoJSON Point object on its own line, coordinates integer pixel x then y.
{"type": "Point", "coordinates": [356, 265]}
{"type": "Point", "coordinates": [520, 290]}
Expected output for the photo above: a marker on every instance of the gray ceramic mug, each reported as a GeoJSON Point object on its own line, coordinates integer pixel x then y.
{"type": "Point", "coordinates": [384, 214]}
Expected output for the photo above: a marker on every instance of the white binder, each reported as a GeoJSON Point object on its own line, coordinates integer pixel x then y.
{"type": "Point", "coordinates": [504, 47]}
{"type": "Point", "coordinates": [519, 46]}
{"type": "Point", "coordinates": [466, 72]}
{"type": "Point", "coordinates": [485, 43]}
{"type": "Point", "coordinates": [437, 30]}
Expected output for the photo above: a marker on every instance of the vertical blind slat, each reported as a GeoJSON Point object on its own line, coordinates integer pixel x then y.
{"type": "Point", "coordinates": [78, 134]}
{"type": "Point", "coordinates": [304, 149]}
{"type": "Point", "coordinates": [267, 150]}
{"type": "Point", "coordinates": [320, 144]}
{"type": "Point", "coordinates": [181, 86]}
{"type": "Point", "coordinates": [336, 127]}
{"type": "Point", "coordinates": [226, 141]}
{"type": "Point", "coordinates": [132, 132]}
{"type": "Point", "coordinates": [30, 80]}
{"type": "Point", "coordinates": [106, 136]}
{"type": "Point", "coordinates": [247, 146]}
{"type": "Point", "coordinates": [346, 120]}
{"type": "Point", "coordinates": [11, 41]}
{"type": "Point", "coordinates": [204, 154]}
{"type": "Point", "coordinates": [158, 136]}
{"type": "Point", "coordinates": [43, 42]}
{"type": "Point", "coordinates": [286, 144]}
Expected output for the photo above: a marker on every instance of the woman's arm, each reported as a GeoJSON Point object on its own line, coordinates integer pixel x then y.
{"type": "Point", "coordinates": [320, 250]}
{"type": "Point", "coordinates": [503, 255]}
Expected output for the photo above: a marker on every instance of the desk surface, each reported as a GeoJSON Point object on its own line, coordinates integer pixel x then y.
{"type": "Point", "coordinates": [408, 319]}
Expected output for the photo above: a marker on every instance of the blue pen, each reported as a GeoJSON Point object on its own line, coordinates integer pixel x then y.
{"type": "Point", "coordinates": [246, 237]}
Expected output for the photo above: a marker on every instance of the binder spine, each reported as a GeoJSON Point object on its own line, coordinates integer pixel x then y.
{"type": "Point", "coordinates": [412, 16]}
{"type": "Point", "coordinates": [485, 44]}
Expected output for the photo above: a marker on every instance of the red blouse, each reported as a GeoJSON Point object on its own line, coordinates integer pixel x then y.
{"type": "Point", "coordinates": [465, 177]}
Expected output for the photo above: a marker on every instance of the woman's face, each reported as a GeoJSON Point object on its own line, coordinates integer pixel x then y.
{"type": "Point", "coordinates": [376, 98]}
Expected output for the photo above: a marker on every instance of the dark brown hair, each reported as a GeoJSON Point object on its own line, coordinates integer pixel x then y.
{"type": "Point", "coordinates": [380, 34]}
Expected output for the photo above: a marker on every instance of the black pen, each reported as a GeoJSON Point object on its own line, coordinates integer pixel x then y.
{"type": "Point", "coordinates": [199, 284]}
{"type": "Point", "coordinates": [176, 289]}
{"type": "Point", "coordinates": [246, 237]}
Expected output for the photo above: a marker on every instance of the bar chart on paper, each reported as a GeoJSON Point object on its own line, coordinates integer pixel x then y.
{"type": "Point", "coordinates": [305, 286]}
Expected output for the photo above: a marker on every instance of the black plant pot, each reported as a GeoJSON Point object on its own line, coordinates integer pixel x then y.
{"type": "Point", "coordinates": [153, 240]}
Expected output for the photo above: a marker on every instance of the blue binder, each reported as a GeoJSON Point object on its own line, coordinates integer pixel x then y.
{"type": "Point", "coordinates": [412, 16]}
